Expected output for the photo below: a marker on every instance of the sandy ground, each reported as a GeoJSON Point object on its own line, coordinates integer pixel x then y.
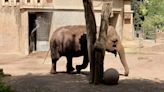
{"type": "Point", "coordinates": [31, 73]}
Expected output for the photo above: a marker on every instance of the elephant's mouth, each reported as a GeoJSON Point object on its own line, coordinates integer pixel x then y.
{"type": "Point", "coordinates": [114, 45]}
{"type": "Point", "coordinates": [112, 50]}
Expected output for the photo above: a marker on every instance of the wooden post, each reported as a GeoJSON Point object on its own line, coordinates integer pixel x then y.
{"type": "Point", "coordinates": [100, 45]}
{"type": "Point", "coordinates": [91, 35]}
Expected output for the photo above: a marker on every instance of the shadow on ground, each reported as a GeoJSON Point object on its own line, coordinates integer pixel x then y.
{"type": "Point", "coordinates": [63, 82]}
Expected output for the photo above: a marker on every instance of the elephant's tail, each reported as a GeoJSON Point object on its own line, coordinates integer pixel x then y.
{"type": "Point", "coordinates": [46, 56]}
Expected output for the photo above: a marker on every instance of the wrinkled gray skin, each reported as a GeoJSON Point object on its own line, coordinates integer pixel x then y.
{"type": "Point", "coordinates": [70, 41]}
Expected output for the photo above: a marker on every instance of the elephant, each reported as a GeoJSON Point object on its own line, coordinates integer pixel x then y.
{"type": "Point", "coordinates": [71, 41]}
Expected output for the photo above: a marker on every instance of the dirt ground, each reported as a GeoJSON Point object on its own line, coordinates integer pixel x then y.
{"type": "Point", "coordinates": [31, 73]}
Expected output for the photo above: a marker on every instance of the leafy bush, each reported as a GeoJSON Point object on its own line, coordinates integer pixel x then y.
{"type": "Point", "coordinates": [149, 28]}
{"type": "Point", "coordinates": [148, 16]}
{"type": "Point", "coordinates": [4, 87]}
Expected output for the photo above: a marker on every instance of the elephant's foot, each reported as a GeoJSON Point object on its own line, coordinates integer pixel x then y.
{"type": "Point", "coordinates": [53, 71]}
{"type": "Point", "coordinates": [78, 68]}
{"type": "Point", "coordinates": [69, 70]}
{"type": "Point", "coordinates": [126, 73]}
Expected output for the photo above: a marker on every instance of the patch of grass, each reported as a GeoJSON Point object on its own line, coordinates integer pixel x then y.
{"type": "Point", "coordinates": [4, 87]}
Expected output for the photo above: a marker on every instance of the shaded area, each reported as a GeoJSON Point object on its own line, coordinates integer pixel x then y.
{"type": "Point", "coordinates": [63, 82]}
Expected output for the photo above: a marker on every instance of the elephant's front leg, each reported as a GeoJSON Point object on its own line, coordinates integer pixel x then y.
{"type": "Point", "coordinates": [84, 65]}
{"type": "Point", "coordinates": [121, 53]}
{"type": "Point", "coordinates": [69, 64]}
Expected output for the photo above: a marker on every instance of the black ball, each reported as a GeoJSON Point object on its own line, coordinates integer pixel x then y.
{"type": "Point", "coordinates": [111, 76]}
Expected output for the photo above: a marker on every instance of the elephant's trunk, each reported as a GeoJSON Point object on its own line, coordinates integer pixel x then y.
{"type": "Point", "coordinates": [121, 53]}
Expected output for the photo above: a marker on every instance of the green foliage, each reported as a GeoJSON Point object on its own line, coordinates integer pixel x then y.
{"type": "Point", "coordinates": [143, 9]}
{"type": "Point", "coordinates": [4, 87]}
{"type": "Point", "coordinates": [149, 15]}
{"type": "Point", "coordinates": [138, 17]}
{"type": "Point", "coordinates": [154, 19]}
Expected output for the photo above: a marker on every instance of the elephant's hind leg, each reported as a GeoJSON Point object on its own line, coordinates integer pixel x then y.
{"type": "Point", "coordinates": [84, 65]}
{"type": "Point", "coordinates": [53, 68]}
{"type": "Point", "coordinates": [69, 64]}
{"type": "Point", "coordinates": [55, 57]}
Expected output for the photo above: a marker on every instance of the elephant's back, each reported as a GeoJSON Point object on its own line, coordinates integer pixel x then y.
{"type": "Point", "coordinates": [69, 30]}
{"type": "Point", "coordinates": [67, 39]}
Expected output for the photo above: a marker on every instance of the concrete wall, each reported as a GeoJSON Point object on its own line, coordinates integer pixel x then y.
{"type": "Point", "coordinates": [127, 5]}
{"type": "Point", "coordinates": [10, 29]}
{"type": "Point", "coordinates": [63, 18]}
{"type": "Point", "coordinates": [72, 14]}
{"type": "Point", "coordinates": [65, 4]}
{"type": "Point", "coordinates": [24, 41]}
{"type": "Point", "coordinates": [78, 4]}
{"type": "Point", "coordinates": [117, 4]}
{"type": "Point", "coordinates": [128, 28]}
{"type": "Point", "coordinates": [14, 23]}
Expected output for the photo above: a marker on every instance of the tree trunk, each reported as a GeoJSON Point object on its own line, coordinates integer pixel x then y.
{"type": "Point", "coordinates": [100, 45]}
{"type": "Point", "coordinates": [96, 49]}
{"type": "Point", "coordinates": [91, 35]}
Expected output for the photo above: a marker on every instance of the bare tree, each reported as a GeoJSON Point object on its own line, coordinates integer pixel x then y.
{"type": "Point", "coordinates": [96, 47]}
{"type": "Point", "coordinates": [91, 35]}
